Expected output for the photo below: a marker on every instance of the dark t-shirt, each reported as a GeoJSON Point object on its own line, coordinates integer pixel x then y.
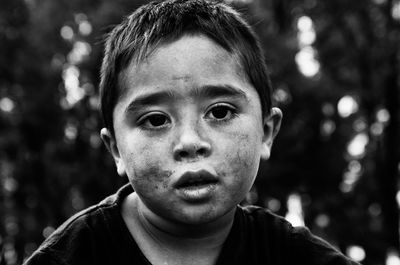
{"type": "Point", "coordinates": [98, 235]}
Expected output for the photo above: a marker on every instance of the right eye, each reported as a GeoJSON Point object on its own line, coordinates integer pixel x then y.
{"type": "Point", "coordinates": [154, 121]}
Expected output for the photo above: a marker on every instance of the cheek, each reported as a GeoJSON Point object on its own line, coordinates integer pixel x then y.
{"type": "Point", "coordinates": [242, 160]}
{"type": "Point", "coordinates": [247, 152]}
{"type": "Point", "coordinates": [150, 179]}
{"type": "Point", "coordinates": [146, 170]}
{"type": "Point", "coordinates": [244, 147]}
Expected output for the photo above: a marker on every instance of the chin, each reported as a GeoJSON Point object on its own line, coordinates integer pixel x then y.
{"type": "Point", "coordinates": [202, 215]}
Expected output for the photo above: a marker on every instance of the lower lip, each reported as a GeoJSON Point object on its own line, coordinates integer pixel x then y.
{"type": "Point", "coordinates": [197, 193]}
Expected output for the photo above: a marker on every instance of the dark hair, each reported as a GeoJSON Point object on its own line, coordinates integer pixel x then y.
{"type": "Point", "coordinates": [159, 22]}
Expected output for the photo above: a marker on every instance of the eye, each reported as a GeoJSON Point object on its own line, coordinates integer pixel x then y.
{"type": "Point", "coordinates": [153, 121]}
{"type": "Point", "coordinates": [221, 112]}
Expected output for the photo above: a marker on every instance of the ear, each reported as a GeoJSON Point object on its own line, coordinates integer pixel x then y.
{"type": "Point", "coordinates": [111, 144]}
{"type": "Point", "coordinates": [272, 124]}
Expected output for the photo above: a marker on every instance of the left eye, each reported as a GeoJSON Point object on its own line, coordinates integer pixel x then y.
{"type": "Point", "coordinates": [221, 112]}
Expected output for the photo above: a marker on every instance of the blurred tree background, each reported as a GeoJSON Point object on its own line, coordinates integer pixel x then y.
{"type": "Point", "coordinates": [334, 166]}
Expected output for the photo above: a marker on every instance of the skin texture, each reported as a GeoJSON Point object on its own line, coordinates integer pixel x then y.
{"type": "Point", "coordinates": [188, 128]}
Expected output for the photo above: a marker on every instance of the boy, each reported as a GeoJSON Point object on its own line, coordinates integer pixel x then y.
{"type": "Point", "coordinates": [185, 98]}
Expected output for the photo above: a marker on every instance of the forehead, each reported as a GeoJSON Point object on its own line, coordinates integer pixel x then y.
{"type": "Point", "coordinates": [190, 61]}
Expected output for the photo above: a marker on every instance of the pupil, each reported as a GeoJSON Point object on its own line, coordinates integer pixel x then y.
{"type": "Point", "coordinates": [157, 120]}
{"type": "Point", "coordinates": [220, 112]}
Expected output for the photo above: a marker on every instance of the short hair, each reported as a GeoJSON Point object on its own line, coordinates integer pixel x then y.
{"type": "Point", "coordinates": [157, 23]}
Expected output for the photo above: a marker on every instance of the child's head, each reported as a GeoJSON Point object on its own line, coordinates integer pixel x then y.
{"type": "Point", "coordinates": [163, 22]}
{"type": "Point", "coordinates": [186, 102]}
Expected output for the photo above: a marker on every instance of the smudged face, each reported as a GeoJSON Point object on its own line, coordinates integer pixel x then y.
{"type": "Point", "coordinates": [189, 133]}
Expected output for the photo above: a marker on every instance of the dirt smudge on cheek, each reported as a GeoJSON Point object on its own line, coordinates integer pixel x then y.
{"type": "Point", "coordinates": [245, 152]}
{"type": "Point", "coordinates": [241, 163]}
{"type": "Point", "coordinates": [151, 178]}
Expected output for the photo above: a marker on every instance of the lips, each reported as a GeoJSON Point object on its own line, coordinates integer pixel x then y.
{"type": "Point", "coordinates": [196, 179]}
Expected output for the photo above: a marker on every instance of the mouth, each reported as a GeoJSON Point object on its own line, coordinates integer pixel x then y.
{"type": "Point", "coordinates": [196, 186]}
{"type": "Point", "coordinates": [196, 179]}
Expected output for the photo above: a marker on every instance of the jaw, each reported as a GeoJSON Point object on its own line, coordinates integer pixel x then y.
{"type": "Point", "coordinates": [196, 221]}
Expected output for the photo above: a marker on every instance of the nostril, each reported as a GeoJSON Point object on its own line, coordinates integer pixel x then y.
{"type": "Point", "coordinates": [191, 150]}
{"type": "Point", "coordinates": [202, 152]}
{"type": "Point", "coordinates": [184, 154]}
{"type": "Point", "coordinates": [191, 153]}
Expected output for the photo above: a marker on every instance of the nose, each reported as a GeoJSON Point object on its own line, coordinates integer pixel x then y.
{"type": "Point", "coordinates": [191, 144]}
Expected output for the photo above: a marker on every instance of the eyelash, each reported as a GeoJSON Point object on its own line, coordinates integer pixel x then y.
{"type": "Point", "coordinates": [226, 107]}
{"type": "Point", "coordinates": [144, 121]}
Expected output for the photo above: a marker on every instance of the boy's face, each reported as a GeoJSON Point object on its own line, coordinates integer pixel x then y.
{"type": "Point", "coordinates": [189, 132]}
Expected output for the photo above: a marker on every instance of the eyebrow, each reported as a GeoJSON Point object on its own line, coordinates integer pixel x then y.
{"type": "Point", "coordinates": [212, 91]}
{"type": "Point", "coordinates": [206, 92]}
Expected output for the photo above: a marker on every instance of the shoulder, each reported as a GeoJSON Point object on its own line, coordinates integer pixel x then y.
{"type": "Point", "coordinates": [80, 236]}
{"type": "Point", "coordinates": [299, 242]}
{"type": "Point", "coordinates": [311, 247]}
